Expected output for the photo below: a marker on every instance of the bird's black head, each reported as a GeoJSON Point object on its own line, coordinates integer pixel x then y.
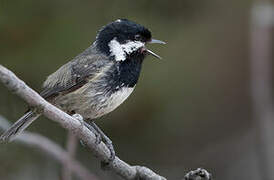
{"type": "Point", "coordinates": [121, 38]}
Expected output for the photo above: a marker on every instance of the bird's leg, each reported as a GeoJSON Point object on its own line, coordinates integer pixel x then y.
{"type": "Point", "coordinates": [106, 140]}
{"type": "Point", "coordinates": [102, 137]}
{"type": "Point", "coordinates": [97, 134]}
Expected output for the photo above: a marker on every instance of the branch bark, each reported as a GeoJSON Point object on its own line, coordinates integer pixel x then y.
{"type": "Point", "coordinates": [51, 148]}
{"type": "Point", "coordinates": [118, 166]}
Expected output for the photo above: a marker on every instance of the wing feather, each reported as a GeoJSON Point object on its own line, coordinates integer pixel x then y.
{"type": "Point", "coordinates": [75, 73]}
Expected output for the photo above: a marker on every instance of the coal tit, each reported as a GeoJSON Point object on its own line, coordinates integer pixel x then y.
{"type": "Point", "coordinates": [99, 79]}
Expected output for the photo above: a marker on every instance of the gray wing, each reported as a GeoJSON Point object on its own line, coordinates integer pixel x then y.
{"type": "Point", "coordinates": [74, 74]}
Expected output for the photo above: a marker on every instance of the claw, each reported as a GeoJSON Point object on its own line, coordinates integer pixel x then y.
{"type": "Point", "coordinates": [80, 119]}
{"type": "Point", "coordinates": [98, 138]}
{"type": "Point", "coordinates": [111, 150]}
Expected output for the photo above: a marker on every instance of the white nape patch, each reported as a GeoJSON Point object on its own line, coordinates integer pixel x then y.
{"type": "Point", "coordinates": [118, 20]}
{"type": "Point", "coordinates": [120, 51]}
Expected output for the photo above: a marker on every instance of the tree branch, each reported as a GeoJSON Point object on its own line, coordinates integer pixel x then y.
{"type": "Point", "coordinates": [118, 166]}
{"type": "Point", "coordinates": [46, 145]}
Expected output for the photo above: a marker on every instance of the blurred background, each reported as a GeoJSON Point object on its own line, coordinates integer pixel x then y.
{"type": "Point", "coordinates": [207, 104]}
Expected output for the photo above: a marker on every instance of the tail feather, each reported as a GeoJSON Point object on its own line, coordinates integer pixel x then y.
{"type": "Point", "coordinates": [19, 126]}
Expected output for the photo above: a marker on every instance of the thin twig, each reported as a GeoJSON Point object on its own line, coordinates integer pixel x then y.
{"type": "Point", "coordinates": [71, 150]}
{"type": "Point", "coordinates": [51, 148]}
{"type": "Point", "coordinates": [118, 166]}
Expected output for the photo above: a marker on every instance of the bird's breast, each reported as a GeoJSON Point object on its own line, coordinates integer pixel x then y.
{"type": "Point", "coordinates": [98, 101]}
{"type": "Point", "coordinates": [112, 101]}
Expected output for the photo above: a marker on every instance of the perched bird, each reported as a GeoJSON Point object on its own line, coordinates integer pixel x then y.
{"type": "Point", "coordinates": [98, 80]}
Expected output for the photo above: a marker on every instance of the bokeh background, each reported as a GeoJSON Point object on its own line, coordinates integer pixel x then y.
{"type": "Point", "coordinates": [192, 109]}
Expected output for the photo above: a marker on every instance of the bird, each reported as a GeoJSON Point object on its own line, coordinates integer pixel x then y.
{"type": "Point", "coordinates": [96, 81]}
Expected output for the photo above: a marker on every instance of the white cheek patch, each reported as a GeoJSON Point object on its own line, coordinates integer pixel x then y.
{"type": "Point", "coordinates": [132, 46]}
{"type": "Point", "coordinates": [120, 51]}
{"type": "Point", "coordinates": [116, 50]}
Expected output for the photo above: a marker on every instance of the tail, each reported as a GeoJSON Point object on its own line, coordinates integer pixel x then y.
{"type": "Point", "coordinates": [19, 126]}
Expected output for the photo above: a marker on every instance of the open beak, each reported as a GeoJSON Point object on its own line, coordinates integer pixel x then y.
{"type": "Point", "coordinates": [155, 41]}
{"type": "Point", "coordinates": [153, 54]}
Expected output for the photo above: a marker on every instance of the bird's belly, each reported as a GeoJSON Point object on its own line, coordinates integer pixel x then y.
{"type": "Point", "coordinates": [92, 103]}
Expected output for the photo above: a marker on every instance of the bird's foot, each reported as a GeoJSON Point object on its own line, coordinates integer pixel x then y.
{"type": "Point", "coordinates": [100, 136]}
{"type": "Point", "coordinates": [82, 122]}
{"type": "Point", "coordinates": [80, 119]}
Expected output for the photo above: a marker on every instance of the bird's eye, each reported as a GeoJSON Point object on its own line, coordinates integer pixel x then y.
{"type": "Point", "coordinates": [137, 37]}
